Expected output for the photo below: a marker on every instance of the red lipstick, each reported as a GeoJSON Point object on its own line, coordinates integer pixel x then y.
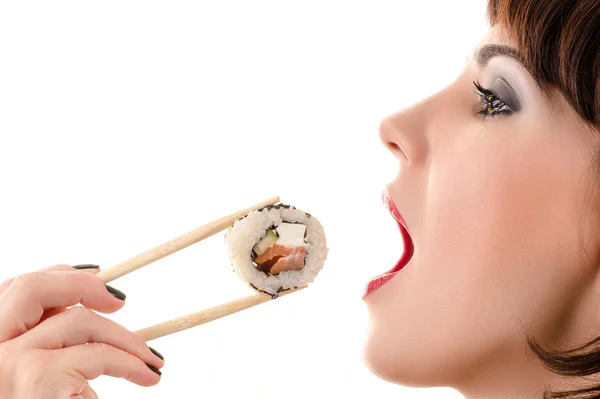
{"type": "Point", "coordinates": [379, 281]}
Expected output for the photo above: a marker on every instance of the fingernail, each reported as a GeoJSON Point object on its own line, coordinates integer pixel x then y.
{"type": "Point", "coordinates": [157, 353]}
{"type": "Point", "coordinates": [83, 267]}
{"type": "Point", "coordinates": [116, 293]}
{"type": "Point", "coordinates": [154, 369]}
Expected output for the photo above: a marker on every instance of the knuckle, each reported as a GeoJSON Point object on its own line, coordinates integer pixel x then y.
{"type": "Point", "coordinates": [47, 359]}
{"type": "Point", "coordinates": [136, 344]}
{"type": "Point", "coordinates": [101, 351]}
{"type": "Point", "coordinates": [130, 374]}
{"type": "Point", "coordinates": [25, 282]}
{"type": "Point", "coordinates": [81, 315]}
{"type": "Point", "coordinates": [6, 282]}
{"type": "Point", "coordinates": [12, 330]}
{"type": "Point", "coordinates": [82, 320]}
{"type": "Point", "coordinates": [100, 348]}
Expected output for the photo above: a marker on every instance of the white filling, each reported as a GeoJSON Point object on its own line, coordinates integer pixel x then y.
{"type": "Point", "coordinates": [245, 233]}
{"type": "Point", "coordinates": [291, 235]}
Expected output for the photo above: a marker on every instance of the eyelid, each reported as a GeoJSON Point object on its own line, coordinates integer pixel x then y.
{"type": "Point", "coordinates": [506, 93]}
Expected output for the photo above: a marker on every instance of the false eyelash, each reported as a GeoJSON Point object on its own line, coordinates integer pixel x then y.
{"type": "Point", "coordinates": [491, 105]}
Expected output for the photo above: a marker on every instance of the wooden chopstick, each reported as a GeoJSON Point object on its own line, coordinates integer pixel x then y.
{"type": "Point", "coordinates": [179, 243]}
{"type": "Point", "coordinates": [205, 316]}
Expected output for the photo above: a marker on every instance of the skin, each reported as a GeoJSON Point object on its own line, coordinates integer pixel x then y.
{"type": "Point", "coordinates": [505, 245]}
{"type": "Point", "coordinates": [43, 351]}
{"type": "Point", "coordinates": [502, 215]}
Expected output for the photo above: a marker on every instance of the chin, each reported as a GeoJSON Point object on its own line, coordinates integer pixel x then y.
{"type": "Point", "coordinates": [379, 365]}
{"type": "Point", "coordinates": [411, 360]}
{"type": "Point", "coordinates": [404, 345]}
{"type": "Point", "coordinates": [393, 362]}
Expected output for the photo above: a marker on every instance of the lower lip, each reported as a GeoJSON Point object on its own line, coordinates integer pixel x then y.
{"type": "Point", "coordinates": [379, 281]}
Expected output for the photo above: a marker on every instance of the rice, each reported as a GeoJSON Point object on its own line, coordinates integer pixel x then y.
{"type": "Point", "coordinates": [241, 238]}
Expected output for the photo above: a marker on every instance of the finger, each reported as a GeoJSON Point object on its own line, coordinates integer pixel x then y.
{"type": "Point", "coordinates": [93, 269]}
{"type": "Point", "coordinates": [25, 300]}
{"type": "Point", "coordinates": [5, 285]}
{"type": "Point", "coordinates": [50, 313]}
{"type": "Point", "coordinates": [88, 268]}
{"type": "Point", "coordinates": [91, 361]}
{"type": "Point", "coordinates": [54, 268]}
{"type": "Point", "coordinates": [88, 393]}
{"type": "Point", "coordinates": [78, 326]}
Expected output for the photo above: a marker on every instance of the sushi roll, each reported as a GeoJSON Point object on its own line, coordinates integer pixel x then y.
{"type": "Point", "coordinates": [276, 248]}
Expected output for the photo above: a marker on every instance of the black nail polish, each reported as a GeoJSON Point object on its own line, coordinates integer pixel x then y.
{"type": "Point", "coordinates": [157, 353]}
{"type": "Point", "coordinates": [154, 369]}
{"type": "Point", "coordinates": [83, 267]}
{"type": "Point", "coordinates": [116, 293]}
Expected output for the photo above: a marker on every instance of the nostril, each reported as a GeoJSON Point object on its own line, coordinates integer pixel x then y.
{"type": "Point", "coordinates": [394, 147]}
{"type": "Point", "coordinates": [397, 150]}
{"type": "Point", "coordinates": [391, 137]}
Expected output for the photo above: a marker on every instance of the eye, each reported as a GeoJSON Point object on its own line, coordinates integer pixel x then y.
{"type": "Point", "coordinates": [491, 105]}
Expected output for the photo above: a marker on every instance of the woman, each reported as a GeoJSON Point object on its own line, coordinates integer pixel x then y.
{"type": "Point", "coordinates": [498, 189]}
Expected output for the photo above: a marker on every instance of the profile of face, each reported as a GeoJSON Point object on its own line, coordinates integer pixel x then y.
{"type": "Point", "coordinates": [494, 186]}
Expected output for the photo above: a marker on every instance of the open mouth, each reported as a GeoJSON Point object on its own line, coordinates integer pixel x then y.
{"type": "Point", "coordinates": [407, 254]}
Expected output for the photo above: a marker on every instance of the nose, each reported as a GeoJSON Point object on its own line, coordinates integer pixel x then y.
{"type": "Point", "coordinates": [405, 133]}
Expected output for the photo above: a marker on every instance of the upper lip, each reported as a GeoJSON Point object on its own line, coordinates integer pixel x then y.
{"type": "Point", "coordinates": [406, 237]}
{"type": "Point", "coordinates": [391, 206]}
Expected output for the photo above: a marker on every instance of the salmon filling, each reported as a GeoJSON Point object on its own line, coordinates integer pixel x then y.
{"type": "Point", "coordinates": [281, 249]}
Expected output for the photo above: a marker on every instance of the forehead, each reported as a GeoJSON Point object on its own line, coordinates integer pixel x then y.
{"type": "Point", "coordinates": [496, 35]}
{"type": "Point", "coordinates": [495, 43]}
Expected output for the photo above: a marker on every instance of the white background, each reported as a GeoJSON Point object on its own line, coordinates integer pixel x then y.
{"type": "Point", "coordinates": [126, 123]}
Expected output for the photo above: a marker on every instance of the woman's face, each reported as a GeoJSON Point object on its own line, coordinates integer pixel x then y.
{"type": "Point", "coordinates": [497, 211]}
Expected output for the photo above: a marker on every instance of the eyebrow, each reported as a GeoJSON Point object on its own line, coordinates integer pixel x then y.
{"type": "Point", "coordinates": [489, 51]}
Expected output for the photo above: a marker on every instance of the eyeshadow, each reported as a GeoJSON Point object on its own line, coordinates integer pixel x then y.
{"type": "Point", "coordinates": [506, 93]}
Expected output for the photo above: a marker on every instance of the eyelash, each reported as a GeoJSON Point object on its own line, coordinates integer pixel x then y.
{"type": "Point", "coordinates": [491, 105]}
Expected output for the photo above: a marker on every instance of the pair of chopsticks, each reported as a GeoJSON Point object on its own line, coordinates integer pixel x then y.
{"type": "Point", "coordinates": [177, 244]}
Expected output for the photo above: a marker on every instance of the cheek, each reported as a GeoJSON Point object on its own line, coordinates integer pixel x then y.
{"type": "Point", "coordinates": [493, 246]}
{"type": "Point", "coordinates": [503, 232]}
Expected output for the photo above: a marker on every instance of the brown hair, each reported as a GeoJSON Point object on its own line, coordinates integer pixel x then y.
{"type": "Point", "coordinates": [559, 42]}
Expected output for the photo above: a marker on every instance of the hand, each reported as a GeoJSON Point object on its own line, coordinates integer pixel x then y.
{"type": "Point", "coordinates": [50, 348]}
